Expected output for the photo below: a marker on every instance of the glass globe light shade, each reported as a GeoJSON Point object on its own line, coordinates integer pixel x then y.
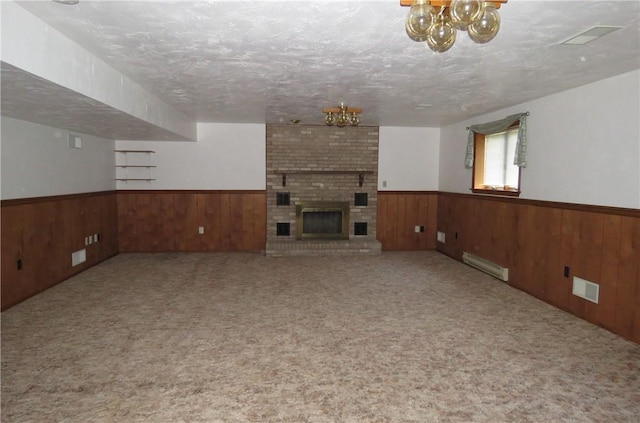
{"type": "Point", "coordinates": [464, 12]}
{"type": "Point", "coordinates": [419, 19]}
{"type": "Point", "coordinates": [342, 119]}
{"type": "Point", "coordinates": [330, 119]}
{"type": "Point", "coordinates": [354, 120]}
{"type": "Point", "coordinates": [485, 28]}
{"type": "Point", "coordinates": [442, 35]}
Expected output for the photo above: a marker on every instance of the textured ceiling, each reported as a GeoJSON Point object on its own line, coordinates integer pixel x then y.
{"type": "Point", "coordinates": [272, 61]}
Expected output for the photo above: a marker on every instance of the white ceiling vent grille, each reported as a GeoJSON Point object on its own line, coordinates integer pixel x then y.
{"type": "Point", "coordinates": [584, 289]}
{"type": "Point", "coordinates": [590, 35]}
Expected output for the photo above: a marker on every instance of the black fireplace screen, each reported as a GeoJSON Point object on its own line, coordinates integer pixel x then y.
{"type": "Point", "coordinates": [322, 222]}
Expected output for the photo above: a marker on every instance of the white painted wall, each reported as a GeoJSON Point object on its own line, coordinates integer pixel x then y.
{"type": "Point", "coordinates": [408, 159]}
{"type": "Point", "coordinates": [232, 156]}
{"type": "Point", "coordinates": [37, 161]}
{"type": "Point", "coordinates": [599, 120]}
{"type": "Point", "coordinates": [226, 156]}
{"type": "Point", "coordinates": [584, 145]}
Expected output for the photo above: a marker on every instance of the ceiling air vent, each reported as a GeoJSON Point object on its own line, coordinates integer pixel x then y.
{"type": "Point", "coordinates": [590, 34]}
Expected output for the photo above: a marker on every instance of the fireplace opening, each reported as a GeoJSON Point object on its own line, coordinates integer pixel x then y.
{"type": "Point", "coordinates": [322, 220]}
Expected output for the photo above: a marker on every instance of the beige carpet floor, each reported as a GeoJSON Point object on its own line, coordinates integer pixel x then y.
{"type": "Point", "coordinates": [234, 337]}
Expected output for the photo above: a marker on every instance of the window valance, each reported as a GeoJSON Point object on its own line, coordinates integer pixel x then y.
{"type": "Point", "coordinates": [494, 127]}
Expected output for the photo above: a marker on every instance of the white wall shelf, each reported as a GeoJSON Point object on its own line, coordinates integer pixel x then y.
{"type": "Point", "coordinates": [140, 163]}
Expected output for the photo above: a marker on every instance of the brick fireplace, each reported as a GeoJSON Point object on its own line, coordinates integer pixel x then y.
{"type": "Point", "coordinates": [321, 190]}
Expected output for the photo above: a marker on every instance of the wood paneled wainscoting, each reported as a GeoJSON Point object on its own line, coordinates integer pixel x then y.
{"type": "Point", "coordinates": [399, 212]}
{"type": "Point", "coordinates": [40, 234]}
{"type": "Point", "coordinates": [536, 240]}
{"type": "Point", "coordinates": [151, 221]}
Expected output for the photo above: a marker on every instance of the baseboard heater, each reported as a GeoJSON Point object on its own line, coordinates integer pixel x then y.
{"type": "Point", "coordinates": [486, 266]}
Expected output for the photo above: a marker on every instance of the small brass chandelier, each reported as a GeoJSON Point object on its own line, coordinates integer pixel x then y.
{"type": "Point", "coordinates": [342, 116]}
{"type": "Point", "coordinates": [438, 27]}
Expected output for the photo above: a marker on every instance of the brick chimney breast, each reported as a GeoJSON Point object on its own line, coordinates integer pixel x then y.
{"type": "Point", "coordinates": [323, 164]}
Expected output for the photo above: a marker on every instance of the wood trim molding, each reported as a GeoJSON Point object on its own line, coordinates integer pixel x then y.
{"type": "Point", "coordinates": [502, 192]}
{"type": "Point", "coordinates": [191, 191]}
{"type": "Point", "coordinates": [35, 200]}
{"type": "Point", "coordinates": [619, 211]}
{"type": "Point", "coordinates": [407, 192]}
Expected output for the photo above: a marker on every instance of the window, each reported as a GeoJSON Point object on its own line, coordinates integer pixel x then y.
{"type": "Point", "coordinates": [492, 148]}
{"type": "Point", "coordinates": [493, 168]}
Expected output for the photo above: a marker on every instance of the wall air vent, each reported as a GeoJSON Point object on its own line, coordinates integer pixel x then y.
{"type": "Point", "coordinates": [587, 290]}
{"type": "Point", "coordinates": [78, 257]}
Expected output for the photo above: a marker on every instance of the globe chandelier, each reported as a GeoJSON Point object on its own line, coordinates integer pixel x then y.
{"type": "Point", "coordinates": [438, 21]}
{"type": "Point", "coordinates": [342, 116]}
